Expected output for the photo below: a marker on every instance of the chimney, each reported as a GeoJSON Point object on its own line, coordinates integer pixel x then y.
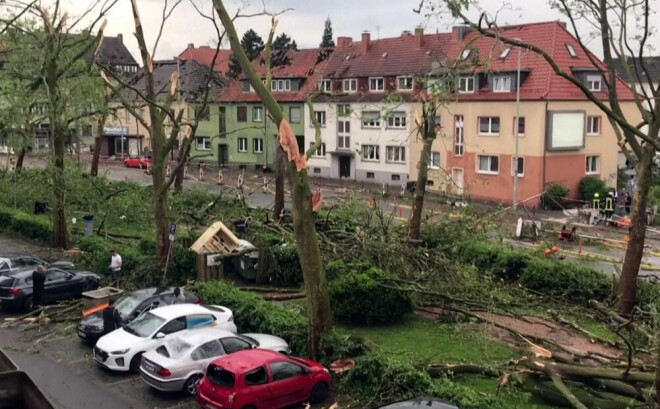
{"type": "Point", "coordinates": [191, 46]}
{"type": "Point", "coordinates": [120, 37]}
{"type": "Point", "coordinates": [344, 41]}
{"type": "Point", "coordinates": [419, 34]}
{"type": "Point", "coordinates": [365, 41]}
{"type": "Point", "coordinates": [458, 32]}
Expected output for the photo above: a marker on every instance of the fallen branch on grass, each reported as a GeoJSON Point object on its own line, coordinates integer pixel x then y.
{"type": "Point", "coordinates": [283, 297]}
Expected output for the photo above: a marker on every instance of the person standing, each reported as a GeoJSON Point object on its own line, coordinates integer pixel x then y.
{"type": "Point", "coordinates": [115, 268]}
{"type": "Point", "coordinates": [179, 298]}
{"type": "Point", "coordinates": [111, 318]}
{"type": "Point", "coordinates": [38, 284]}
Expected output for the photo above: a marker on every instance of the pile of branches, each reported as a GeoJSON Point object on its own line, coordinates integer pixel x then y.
{"type": "Point", "coordinates": [63, 312]}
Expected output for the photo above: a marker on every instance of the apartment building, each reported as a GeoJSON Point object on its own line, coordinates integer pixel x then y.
{"type": "Point", "coordinates": [562, 136]}
{"type": "Point", "coordinates": [246, 136]}
{"type": "Point", "coordinates": [368, 96]}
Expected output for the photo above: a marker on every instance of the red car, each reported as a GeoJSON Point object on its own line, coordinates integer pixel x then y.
{"type": "Point", "coordinates": [139, 162]}
{"type": "Point", "coordinates": [262, 379]}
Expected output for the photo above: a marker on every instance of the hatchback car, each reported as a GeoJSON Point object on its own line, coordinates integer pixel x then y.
{"type": "Point", "coordinates": [180, 363]}
{"type": "Point", "coordinates": [122, 349]}
{"type": "Point", "coordinates": [16, 288]}
{"type": "Point", "coordinates": [137, 162]}
{"type": "Point", "coordinates": [262, 379]}
{"type": "Point", "coordinates": [129, 306]}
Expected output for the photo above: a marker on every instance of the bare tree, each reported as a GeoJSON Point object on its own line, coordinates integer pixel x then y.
{"type": "Point", "coordinates": [626, 32]}
{"type": "Point", "coordinates": [426, 128]}
{"type": "Point", "coordinates": [309, 252]}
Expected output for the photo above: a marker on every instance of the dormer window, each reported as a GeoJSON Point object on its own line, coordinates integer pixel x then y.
{"type": "Point", "coordinates": [594, 83]}
{"type": "Point", "coordinates": [505, 53]}
{"type": "Point", "coordinates": [404, 83]}
{"type": "Point", "coordinates": [280, 85]}
{"type": "Point", "coordinates": [501, 83]}
{"type": "Point", "coordinates": [349, 85]}
{"type": "Point", "coordinates": [466, 84]}
{"type": "Point", "coordinates": [376, 84]}
{"type": "Point", "coordinates": [466, 53]}
{"type": "Point", "coordinates": [325, 86]}
{"type": "Point", "coordinates": [571, 50]}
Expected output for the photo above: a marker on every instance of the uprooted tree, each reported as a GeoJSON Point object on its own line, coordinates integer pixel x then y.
{"type": "Point", "coordinates": [309, 252]}
{"type": "Point", "coordinates": [626, 31]}
{"type": "Point", "coordinates": [164, 119]}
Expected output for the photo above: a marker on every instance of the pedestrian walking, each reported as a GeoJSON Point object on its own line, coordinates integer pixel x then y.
{"type": "Point", "coordinates": [38, 282]}
{"type": "Point", "coordinates": [115, 268]}
{"type": "Point", "coordinates": [111, 318]}
{"type": "Point", "coordinates": [178, 296]}
{"type": "Point", "coordinates": [628, 202]}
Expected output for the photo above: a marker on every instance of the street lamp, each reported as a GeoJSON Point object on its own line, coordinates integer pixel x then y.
{"type": "Point", "coordinates": [517, 130]}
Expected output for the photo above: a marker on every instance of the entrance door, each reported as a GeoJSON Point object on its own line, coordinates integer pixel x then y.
{"type": "Point", "coordinates": [223, 154]}
{"type": "Point", "coordinates": [457, 175]}
{"type": "Point", "coordinates": [121, 145]}
{"type": "Point", "coordinates": [344, 166]}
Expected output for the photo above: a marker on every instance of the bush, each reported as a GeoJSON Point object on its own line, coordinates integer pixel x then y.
{"type": "Point", "coordinates": [253, 314]}
{"type": "Point", "coordinates": [555, 196]}
{"type": "Point", "coordinates": [589, 186]}
{"type": "Point", "coordinates": [285, 268]}
{"type": "Point", "coordinates": [379, 380]}
{"type": "Point", "coordinates": [28, 225]}
{"type": "Point", "coordinates": [357, 297]}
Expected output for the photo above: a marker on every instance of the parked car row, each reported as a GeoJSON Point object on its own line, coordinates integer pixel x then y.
{"type": "Point", "coordinates": [195, 349]}
{"type": "Point", "coordinates": [12, 264]}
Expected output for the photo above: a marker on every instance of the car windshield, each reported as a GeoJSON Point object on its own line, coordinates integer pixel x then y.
{"type": "Point", "coordinates": [144, 325]}
{"type": "Point", "coordinates": [174, 348]}
{"type": "Point", "coordinates": [125, 305]}
{"type": "Point", "coordinates": [250, 340]}
{"type": "Point", "coordinates": [7, 281]}
{"type": "Point", "coordinates": [220, 376]}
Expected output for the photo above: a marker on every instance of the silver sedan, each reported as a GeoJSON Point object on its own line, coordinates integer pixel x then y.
{"type": "Point", "coordinates": [181, 362]}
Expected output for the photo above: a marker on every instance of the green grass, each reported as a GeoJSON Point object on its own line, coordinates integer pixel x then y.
{"type": "Point", "coordinates": [512, 398]}
{"type": "Point", "coordinates": [421, 340]}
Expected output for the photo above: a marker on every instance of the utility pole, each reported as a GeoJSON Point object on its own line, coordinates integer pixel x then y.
{"type": "Point", "coordinates": [517, 130]}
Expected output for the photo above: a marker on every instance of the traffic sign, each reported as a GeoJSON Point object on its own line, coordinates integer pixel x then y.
{"type": "Point", "coordinates": [173, 229]}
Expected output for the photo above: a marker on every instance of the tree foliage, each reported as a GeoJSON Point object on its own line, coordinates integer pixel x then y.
{"type": "Point", "coordinates": [327, 40]}
{"type": "Point", "coordinates": [253, 45]}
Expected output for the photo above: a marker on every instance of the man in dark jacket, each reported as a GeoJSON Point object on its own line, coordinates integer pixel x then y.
{"type": "Point", "coordinates": [38, 281]}
{"type": "Point", "coordinates": [111, 318]}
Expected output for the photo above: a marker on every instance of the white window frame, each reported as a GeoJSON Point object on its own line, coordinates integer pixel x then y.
{"type": "Point", "coordinates": [343, 110]}
{"type": "Point", "coordinates": [513, 166]}
{"type": "Point", "coordinates": [242, 145]}
{"type": "Point", "coordinates": [203, 147]}
{"type": "Point", "coordinates": [490, 125]}
{"type": "Point", "coordinates": [432, 164]}
{"type": "Point", "coordinates": [501, 83]}
{"type": "Point", "coordinates": [320, 151]}
{"type": "Point", "coordinates": [405, 79]}
{"type": "Point", "coordinates": [505, 53]}
{"type": "Point", "coordinates": [397, 120]}
{"type": "Point", "coordinates": [395, 154]}
{"type": "Point", "coordinates": [518, 125]}
{"type": "Point", "coordinates": [591, 120]}
{"type": "Point", "coordinates": [260, 116]}
{"type": "Point", "coordinates": [466, 53]}
{"type": "Point", "coordinates": [281, 85]}
{"type": "Point", "coordinates": [321, 117]}
{"type": "Point", "coordinates": [592, 161]}
{"type": "Point", "coordinates": [490, 163]}
{"type": "Point", "coordinates": [325, 85]}
{"type": "Point", "coordinates": [299, 115]}
{"type": "Point", "coordinates": [376, 82]}
{"type": "Point", "coordinates": [463, 84]}
{"type": "Point", "coordinates": [371, 153]}
{"type": "Point", "coordinates": [258, 143]}
{"type": "Point", "coordinates": [374, 123]}
{"type": "Point", "coordinates": [595, 83]}
{"type": "Point", "coordinates": [349, 85]}
{"type": "Point", "coordinates": [459, 135]}
{"type": "Point", "coordinates": [344, 137]}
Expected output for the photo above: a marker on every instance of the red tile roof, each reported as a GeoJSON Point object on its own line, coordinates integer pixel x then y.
{"type": "Point", "coordinates": [204, 55]}
{"type": "Point", "coordinates": [306, 64]}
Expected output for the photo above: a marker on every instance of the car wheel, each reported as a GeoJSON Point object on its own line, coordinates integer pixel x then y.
{"type": "Point", "coordinates": [28, 303]}
{"type": "Point", "coordinates": [190, 387]}
{"type": "Point", "coordinates": [319, 393]}
{"type": "Point", "coordinates": [135, 363]}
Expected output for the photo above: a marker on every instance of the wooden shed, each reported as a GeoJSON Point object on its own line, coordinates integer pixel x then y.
{"type": "Point", "coordinates": [217, 240]}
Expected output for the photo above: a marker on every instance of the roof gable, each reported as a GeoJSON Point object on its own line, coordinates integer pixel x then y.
{"type": "Point", "coordinates": [204, 55]}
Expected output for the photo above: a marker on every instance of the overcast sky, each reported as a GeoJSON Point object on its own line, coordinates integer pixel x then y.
{"type": "Point", "coordinates": [304, 23]}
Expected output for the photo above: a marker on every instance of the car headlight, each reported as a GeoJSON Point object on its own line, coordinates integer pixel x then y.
{"type": "Point", "coordinates": [120, 352]}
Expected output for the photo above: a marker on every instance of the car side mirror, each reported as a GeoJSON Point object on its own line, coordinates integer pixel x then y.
{"type": "Point", "coordinates": [160, 335]}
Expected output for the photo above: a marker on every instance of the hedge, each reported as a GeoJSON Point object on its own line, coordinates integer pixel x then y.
{"type": "Point", "coordinates": [28, 225]}
{"type": "Point", "coordinates": [254, 314]}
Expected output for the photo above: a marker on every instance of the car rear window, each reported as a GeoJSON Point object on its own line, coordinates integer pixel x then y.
{"type": "Point", "coordinates": [7, 281]}
{"type": "Point", "coordinates": [220, 376]}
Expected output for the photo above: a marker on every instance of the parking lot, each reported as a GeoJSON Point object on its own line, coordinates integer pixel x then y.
{"type": "Point", "coordinates": [64, 369]}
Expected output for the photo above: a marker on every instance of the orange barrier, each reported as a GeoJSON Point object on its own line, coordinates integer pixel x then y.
{"type": "Point", "coordinates": [97, 308]}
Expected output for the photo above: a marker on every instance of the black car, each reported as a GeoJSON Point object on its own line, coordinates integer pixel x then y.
{"type": "Point", "coordinates": [16, 287]}
{"type": "Point", "coordinates": [11, 264]}
{"type": "Point", "coordinates": [419, 403]}
{"type": "Point", "coordinates": [129, 306]}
